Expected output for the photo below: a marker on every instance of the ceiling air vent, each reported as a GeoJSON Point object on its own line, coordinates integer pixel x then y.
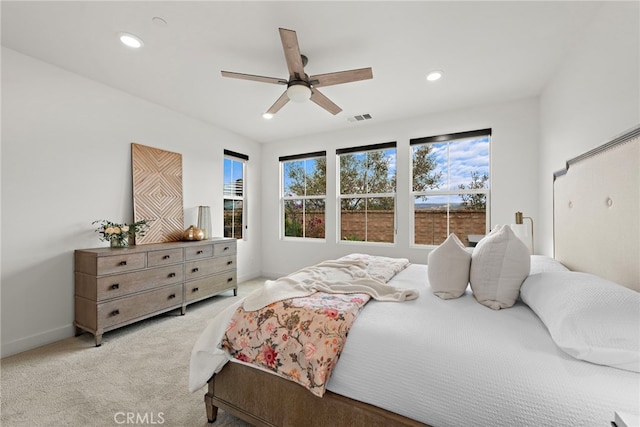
{"type": "Point", "coordinates": [360, 118]}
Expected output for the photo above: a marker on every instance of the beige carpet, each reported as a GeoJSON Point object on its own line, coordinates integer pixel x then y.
{"type": "Point", "coordinates": [138, 376]}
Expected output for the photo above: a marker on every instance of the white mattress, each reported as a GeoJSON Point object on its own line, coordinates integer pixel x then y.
{"type": "Point", "coordinates": [459, 363]}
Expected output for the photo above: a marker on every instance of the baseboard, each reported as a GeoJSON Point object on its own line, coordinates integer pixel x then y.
{"type": "Point", "coordinates": [247, 277]}
{"type": "Point", "coordinates": [272, 276]}
{"type": "Point", "coordinates": [29, 343]}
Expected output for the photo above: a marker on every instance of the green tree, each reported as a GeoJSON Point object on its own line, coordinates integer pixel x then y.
{"type": "Point", "coordinates": [475, 201]}
{"type": "Point", "coordinates": [366, 173]}
{"type": "Point", "coordinates": [424, 164]}
{"type": "Point", "coordinates": [305, 184]}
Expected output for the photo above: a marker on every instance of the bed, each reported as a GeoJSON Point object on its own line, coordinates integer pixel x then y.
{"type": "Point", "coordinates": [456, 362]}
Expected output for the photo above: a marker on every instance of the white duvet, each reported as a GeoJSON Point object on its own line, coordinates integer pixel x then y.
{"type": "Point", "coordinates": [458, 363]}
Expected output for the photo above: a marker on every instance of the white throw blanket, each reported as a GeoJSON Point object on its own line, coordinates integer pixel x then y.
{"type": "Point", "coordinates": [344, 276]}
{"type": "Point", "coordinates": [354, 273]}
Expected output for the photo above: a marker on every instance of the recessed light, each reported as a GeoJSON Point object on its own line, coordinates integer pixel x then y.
{"type": "Point", "coordinates": [434, 75]}
{"type": "Point", "coordinates": [267, 116]}
{"type": "Point", "coordinates": [159, 21]}
{"type": "Point", "coordinates": [130, 40]}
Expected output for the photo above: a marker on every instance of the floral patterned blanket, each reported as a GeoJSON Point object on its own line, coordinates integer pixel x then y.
{"type": "Point", "coordinates": [299, 338]}
{"type": "Point", "coordinates": [296, 326]}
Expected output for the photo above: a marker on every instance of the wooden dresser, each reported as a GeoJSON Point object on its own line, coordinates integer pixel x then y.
{"type": "Point", "coordinates": [118, 286]}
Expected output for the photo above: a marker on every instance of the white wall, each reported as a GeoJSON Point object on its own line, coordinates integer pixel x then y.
{"type": "Point", "coordinates": [514, 163]}
{"type": "Point", "coordinates": [66, 161]}
{"type": "Point", "coordinates": [593, 97]}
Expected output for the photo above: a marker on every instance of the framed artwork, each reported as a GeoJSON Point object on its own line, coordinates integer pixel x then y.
{"type": "Point", "coordinates": [157, 193]}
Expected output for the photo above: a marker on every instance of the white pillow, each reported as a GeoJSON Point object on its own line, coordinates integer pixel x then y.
{"type": "Point", "coordinates": [543, 263]}
{"type": "Point", "coordinates": [499, 264]}
{"type": "Point", "coordinates": [588, 317]}
{"type": "Point", "coordinates": [448, 268]}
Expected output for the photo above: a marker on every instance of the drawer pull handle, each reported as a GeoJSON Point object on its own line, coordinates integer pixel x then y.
{"type": "Point", "coordinates": [115, 312]}
{"type": "Point", "coordinates": [199, 252]}
{"type": "Point", "coordinates": [115, 286]}
{"type": "Point", "coordinates": [166, 257]}
{"type": "Point", "coordinates": [195, 270]}
{"type": "Point", "coordinates": [229, 262]}
{"type": "Point", "coordinates": [226, 248]}
{"type": "Point", "coordinates": [123, 262]}
{"type": "Point", "coordinates": [230, 279]}
{"type": "Point", "coordinates": [172, 296]}
{"type": "Point", "coordinates": [172, 274]}
{"type": "Point", "coordinates": [195, 289]}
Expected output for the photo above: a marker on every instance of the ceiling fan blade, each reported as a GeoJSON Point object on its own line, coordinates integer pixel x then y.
{"type": "Point", "coordinates": [339, 77]}
{"type": "Point", "coordinates": [292, 54]}
{"type": "Point", "coordinates": [280, 102]}
{"type": "Point", "coordinates": [324, 102]}
{"type": "Point", "coordinates": [262, 79]}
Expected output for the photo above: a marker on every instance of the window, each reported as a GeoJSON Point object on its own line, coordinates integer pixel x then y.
{"type": "Point", "coordinates": [368, 193]}
{"type": "Point", "coordinates": [303, 197]}
{"type": "Point", "coordinates": [234, 194]}
{"type": "Point", "coordinates": [450, 187]}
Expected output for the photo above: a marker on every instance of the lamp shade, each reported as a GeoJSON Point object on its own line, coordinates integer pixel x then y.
{"type": "Point", "coordinates": [298, 93]}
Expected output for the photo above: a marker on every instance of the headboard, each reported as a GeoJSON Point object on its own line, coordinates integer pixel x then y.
{"type": "Point", "coordinates": [596, 200]}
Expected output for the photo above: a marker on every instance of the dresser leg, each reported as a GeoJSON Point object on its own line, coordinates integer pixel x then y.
{"type": "Point", "coordinates": [98, 340]}
{"type": "Point", "coordinates": [235, 292]}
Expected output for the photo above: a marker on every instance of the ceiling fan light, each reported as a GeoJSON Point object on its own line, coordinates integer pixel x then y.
{"type": "Point", "coordinates": [298, 93]}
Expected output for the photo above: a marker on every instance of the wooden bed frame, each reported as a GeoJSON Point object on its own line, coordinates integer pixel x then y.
{"type": "Point", "coordinates": [264, 399]}
{"type": "Point", "coordinates": [257, 397]}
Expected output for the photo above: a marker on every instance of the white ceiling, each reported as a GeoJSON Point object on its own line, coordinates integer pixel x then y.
{"type": "Point", "coordinates": [489, 52]}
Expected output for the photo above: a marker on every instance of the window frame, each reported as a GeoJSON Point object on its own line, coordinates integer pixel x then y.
{"type": "Point", "coordinates": [438, 139]}
{"type": "Point", "coordinates": [242, 159]}
{"type": "Point", "coordinates": [284, 198]}
{"type": "Point", "coordinates": [339, 196]}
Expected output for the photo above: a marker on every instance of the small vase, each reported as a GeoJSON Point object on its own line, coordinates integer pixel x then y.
{"type": "Point", "coordinates": [192, 233]}
{"type": "Point", "coordinates": [204, 221]}
{"type": "Point", "coordinates": [119, 243]}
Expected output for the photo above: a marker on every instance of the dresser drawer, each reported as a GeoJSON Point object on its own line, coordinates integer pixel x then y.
{"type": "Point", "coordinates": [126, 309]}
{"type": "Point", "coordinates": [122, 284]}
{"type": "Point", "coordinates": [169, 256]}
{"type": "Point", "coordinates": [121, 263]}
{"type": "Point", "coordinates": [227, 248]}
{"type": "Point", "coordinates": [203, 288]}
{"type": "Point", "coordinates": [197, 252]}
{"type": "Point", "coordinates": [206, 267]}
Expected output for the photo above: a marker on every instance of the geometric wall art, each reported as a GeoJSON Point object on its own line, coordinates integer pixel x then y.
{"type": "Point", "coordinates": [157, 193]}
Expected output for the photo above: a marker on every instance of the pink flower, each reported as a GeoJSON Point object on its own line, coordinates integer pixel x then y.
{"type": "Point", "coordinates": [357, 300]}
{"type": "Point", "coordinates": [285, 337]}
{"type": "Point", "coordinates": [331, 312]}
{"type": "Point", "coordinates": [309, 350]}
{"type": "Point", "coordinates": [232, 324]}
{"type": "Point", "coordinates": [269, 355]}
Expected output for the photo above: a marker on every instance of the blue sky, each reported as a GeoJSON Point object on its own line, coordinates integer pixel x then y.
{"type": "Point", "coordinates": [232, 172]}
{"type": "Point", "coordinates": [465, 157]}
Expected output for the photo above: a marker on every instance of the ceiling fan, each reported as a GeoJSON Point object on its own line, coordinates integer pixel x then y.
{"type": "Point", "coordinates": [300, 86]}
